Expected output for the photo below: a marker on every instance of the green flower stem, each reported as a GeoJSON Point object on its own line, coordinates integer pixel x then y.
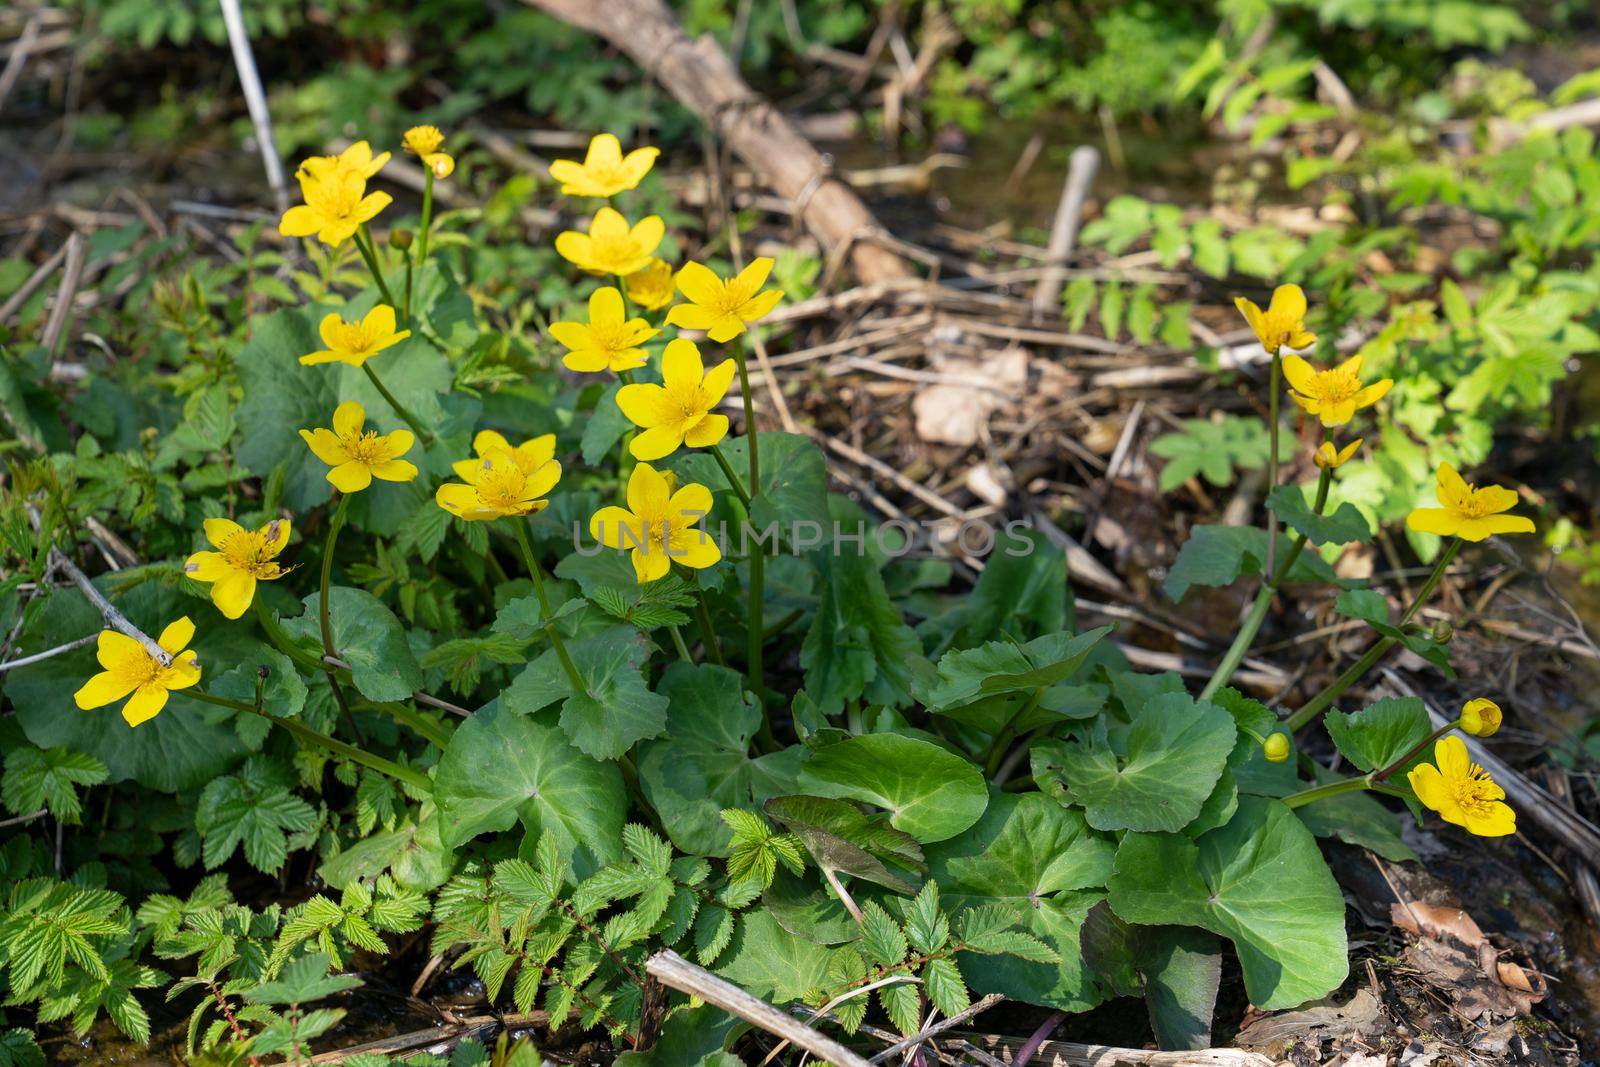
{"type": "Point", "coordinates": [537, 575]}
{"type": "Point", "coordinates": [708, 634]}
{"type": "Point", "coordinates": [733, 479]}
{"type": "Point", "coordinates": [300, 730]}
{"type": "Point", "coordinates": [328, 648]}
{"type": "Point", "coordinates": [1324, 699]}
{"type": "Point", "coordinates": [405, 310]}
{"type": "Point", "coordinates": [427, 215]}
{"type": "Point", "coordinates": [1323, 792]}
{"type": "Point", "coordinates": [1258, 611]}
{"type": "Point", "coordinates": [1274, 387]}
{"type": "Point", "coordinates": [1414, 751]}
{"type": "Point", "coordinates": [284, 643]}
{"type": "Point", "coordinates": [363, 240]}
{"type": "Point", "coordinates": [400, 409]}
{"type": "Point", "coordinates": [677, 643]}
{"type": "Point", "coordinates": [758, 560]}
{"type": "Point", "coordinates": [625, 460]}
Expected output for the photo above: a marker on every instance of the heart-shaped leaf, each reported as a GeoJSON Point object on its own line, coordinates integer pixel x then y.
{"type": "Point", "coordinates": [616, 707]}
{"type": "Point", "coordinates": [1259, 881]}
{"type": "Point", "coordinates": [367, 636]}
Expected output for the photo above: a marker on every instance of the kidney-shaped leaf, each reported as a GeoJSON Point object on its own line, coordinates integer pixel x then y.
{"type": "Point", "coordinates": [1259, 881]}
{"type": "Point", "coordinates": [1176, 751]}
{"type": "Point", "coordinates": [615, 709]}
{"type": "Point", "coordinates": [929, 792]}
{"type": "Point", "coordinates": [367, 636]}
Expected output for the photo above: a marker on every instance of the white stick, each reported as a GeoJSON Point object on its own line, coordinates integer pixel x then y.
{"type": "Point", "coordinates": [1064, 232]}
{"type": "Point", "coordinates": [256, 100]}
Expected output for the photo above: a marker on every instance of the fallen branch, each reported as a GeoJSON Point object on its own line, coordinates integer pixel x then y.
{"type": "Point", "coordinates": [976, 1008]}
{"type": "Point", "coordinates": [114, 618]}
{"type": "Point", "coordinates": [671, 969]}
{"type": "Point", "coordinates": [704, 80]}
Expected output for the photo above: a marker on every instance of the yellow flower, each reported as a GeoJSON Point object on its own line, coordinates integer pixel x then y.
{"type": "Point", "coordinates": [1284, 321]}
{"type": "Point", "coordinates": [1469, 513]}
{"type": "Point", "coordinates": [723, 308]}
{"type": "Point", "coordinates": [1276, 747]}
{"type": "Point", "coordinates": [358, 455]}
{"type": "Point", "coordinates": [131, 669]}
{"type": "Point", "coordinates": [243, 557]}
{"type": "Point", "coordinates": [1480, 717]}
{"type": "Point", "coordinates": [1333, 395]}
{"type": "Point", "coordinates": [529, 456]}
{"type": "Point", "coordinates": [505, 482]}
{"type": "Point", "coordinates": [611, 246]}
{"type": "Point", "coordinates": [357, 159]}
{"type": "Point", "coordinates": [609, 340]}
{"type": "Point", "coordinates": [337, 204]}
{"type": "Point", "coordinates": [658, 525]}
{"type": "Point", "coordinates": [650, 288]}
{"type": "Point", "coordinates": [681, 411]}
{"type": "Point", "coordinates": [424, 142]}
{"type": "Point", "coordinates": [1328, 458]}
{"type": "Point", "coordinates": [605, 171]}
{"type": "Point", "coordinates": [1462, 792]}
{"type": "Point", "coordinates": [356, 342]}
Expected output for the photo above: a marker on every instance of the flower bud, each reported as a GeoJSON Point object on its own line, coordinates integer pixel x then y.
{"type": "Point", "coordinates": [400, 239]}
{"type": "Point", "coordinates": [1327, 457]}
{"type": "Point", "coordinates": [1480, 717]}
{"type": "Point", "coordinates": [1276, 747]}
{"type": "Point", "coordinates": [1443, 632]}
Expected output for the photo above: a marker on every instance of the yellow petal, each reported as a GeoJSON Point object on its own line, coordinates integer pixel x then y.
{"type": "Point", "coordinates": [699, 283]}
{"type": "Point", "coordinates": [694, 548]}
{"type": "Point", "coordinates": [177, 635]}
{"type": "Point", "coordinates": [207, 567]}
{"type": "Point", "coordinates": [380, 321]}
{"type": "Point", "coordinates": [1452, 487]}
{"type": "Point", "coordinates": [681, 363]}
{"type": "Point", "coordinates": [232, 595]}
{"type": "Point", "coordinates": [647, 493]}
{"type": "Point", "coordinates": [647, 234]}
{"type": "Point", "coordinates": [647, 404]}
{"type": "Point", "coordinates": [536, 452]}
{"type": "Point", "coordinates": [758, 306]}
{"type": "Point", "coordinates": [616, 527]}
{"type": "Point", "coordinates": [1498, 497]}
{"type": "Point", "coordinates": [1440, 521]}
{"type": "Point", "coordinates": [348, 418]}
{"type": "Point", "coordinates": [146, 702]}
{"type": "Point", "coordinates": [575, 248]}
{"type": "Point", "coordinates": [275, 535]}
{"type": "Point", "coordinates": [219, 530]}
{"type": "Point", "coordinates": [605, 152]}
{"type": "Point", "coordinates": [1499, 821]}
{"type": "Point", "coordinates": [691, 503]}
{"type": "Point", "coordinates": [487, 442]}
{"type": "Point", "coordinates": [395, 470]}
{"type": "Point", "coordinates": [103, 689]}
{"type": "Point", "coordinates": [658, 442]}
{"type": "Point", "coordinates": [1428, 784]}
{"type": "Point", "coordinates": [300, 221]}
{"type": "Point", "coordinates": [117, 650]}
{"type": "Point", "coordinates": [325, 445]}
{"type": "Point", "coordinates": [456, 498]}
{"type": "Point", "coordinates": [1300, 374]}
{"type": "Point", "coordinates": [331, 332]}
{"type": "Point", "coordinates": [1288, 304]}
{"type": "Point", "coordinates": [606, 307]}
{"type": "Point", "coordinates": [692, 317]}
{"type": "Point", "coordinates": [650, 566]}
{"type": "Point", "coordinates": [350, 477]}
{"type": "Point", "coordinates": [707, 432]}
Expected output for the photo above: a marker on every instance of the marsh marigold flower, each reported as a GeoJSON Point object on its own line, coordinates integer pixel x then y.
{"type": "Point", "coordinates": [723, 308]}
{"type": "Point", "coordinates": [1284, 321]}
{"type": "Point", "coordinates": [504, 481]}
{"type": "Point", "coordinates": [1329, 458]}
{"type": "Point", "coordinates": [650, 288]}
{"type": "Point", "coordinates": [357, 159]}
{"type": "Point", "coordinates": [612, 246]}
{"type": "Point", "coordinates": [609, 340]}
{"type": "Point", "coordinates": [356, 342]}
{"type": "Point", "coordinates": [424, 142]}
{"type": "Point", "coordinates": [1480, 717]}
{"type": "Point", "coordinates": [1462, 792]}
{"type": "Point", "coordinates": [1334, 395]}
{"type": "Point", "coordinates": [658, 525]}
{"type": "Point", "coordinates": [682, 411]}
{"type": "Point", "coordinates": [605, 171]}
{"type": "Point", "coordinates": [358, 455]}
{"type": "Point", "coordinates": [337, 204]}
{"type": "Point", "coordinates": [129, 668]}
{"type": "Point", "coordinates": [243, 557]}
{"type": "Point", "coordinates": [1469, 513]}
{"type": "Point", "coordinates": [530, 455]}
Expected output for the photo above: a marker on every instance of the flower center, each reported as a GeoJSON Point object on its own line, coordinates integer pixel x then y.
{"type": "Point", "coordinates": [501, 488]}
{"type": "Point", "coordinates": [248, 551]}
{"type": "Point", "coordinates": [612, 337]}
{"type": "Point", "coordinates": [355, 339]}
{"type": "Point", "coordinates": [368, 449]}
{"type": "Point", "coordinates": [613, 249]}
{"type": "Point", "coordinates": [1476, 791]}
{"type": "Point", "coordinates": [337, 198]}
{"type": "Point", "coordinates": [1474, 503]}
{"type": "Point", "coordinates": [140, 671]}
{"type": "Point", "coordinates": [1337, 386]}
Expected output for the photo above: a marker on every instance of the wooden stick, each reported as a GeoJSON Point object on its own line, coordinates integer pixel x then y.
{"type": "Point", "coordinates": [15, 301]}
{"type": "Point", "coordinates": [977, 1007]}
{"type": "Point", "coordinates": [1073, 1054]}
{"type": "Point", "coordinates": [1064, 231]}
{"type": "Point", "coordinates": [77, 249]}
{"type": "Point", "coordinates": [255, 99]}
{"type": "Point", "coordinates": [114, 618]}
{"type": "Point", "coordinates": [671, 969]}
{"type": "Point", "coordinates": [702, 77]}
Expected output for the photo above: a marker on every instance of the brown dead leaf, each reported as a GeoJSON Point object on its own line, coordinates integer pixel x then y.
{"type": "Point", "coordinates": [954, 412]}
{"type": "Point", "coordinates": [1361, 1016]}
{"type": "Point", "coordinates": [1461, 976]}
{"type": "Point", "coordinates": [1437, 922]}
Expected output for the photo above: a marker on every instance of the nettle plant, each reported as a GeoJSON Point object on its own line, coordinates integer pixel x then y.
{"type": "Point", "coordinates": [693, 727]}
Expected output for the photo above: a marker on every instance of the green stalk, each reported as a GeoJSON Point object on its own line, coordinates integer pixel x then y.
{"type": "Point", "coordinates": [758, 561]}
{"type": "Point", "coordinates": [405, 311]}
{"type": "Point", "coordinates": [1258, 611]}
{"type": "Point", "coordinates": [708, 635]}
{"type": "Point", "coordinates": [728, 473]}
{"type": "Point", "coordinates": [1322, 792]}
{"type": "Point", "coordinates": [300, 730]}
{"type": "Point", "coordinates": [537, 575]}
{"type": "Point", "coordinates": [997, 748]}
{"type": "Point", "coordinates": [328, 648]}
{"type": "Point", "coordinates": [284, 643]}
{"type": "Point", "coordinates": [363, 241]}
{"type": "Point", "coordinates": [427, 215]}
{"type": "Point", "coordinates": [1324, 699]}
{"type": "Point", "coordinates": [677, 643]}
{"type": "Point", "coordinates": [400, 409]}
{"type": "Point", "coordinates": [1272, 458]}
